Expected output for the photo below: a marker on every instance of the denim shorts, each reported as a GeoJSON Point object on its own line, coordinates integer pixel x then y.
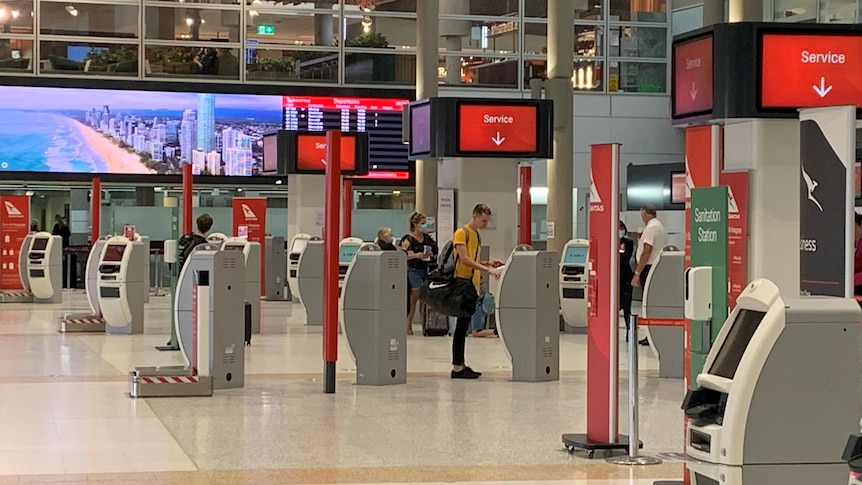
{"type": "Point", "coordinates": [415, 277]}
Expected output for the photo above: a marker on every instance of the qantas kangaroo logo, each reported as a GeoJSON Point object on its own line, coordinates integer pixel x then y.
{"type": "Point", "coordinates": [11, 210]}
{"type": "Point", "coordinates": [811, 185]}
{"type": "Point", "coordinates": [248, 213]}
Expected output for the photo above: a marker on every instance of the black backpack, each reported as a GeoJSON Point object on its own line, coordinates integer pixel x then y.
{"type": "Point", "coordinates": [185, 245]}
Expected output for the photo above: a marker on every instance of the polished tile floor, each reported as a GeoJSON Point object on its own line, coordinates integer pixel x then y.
{"type": "Point", "coordinates": [65, 413]}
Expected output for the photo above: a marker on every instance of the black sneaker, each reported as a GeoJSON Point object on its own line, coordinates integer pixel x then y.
{"type": "Point", "coordinates": [643, 341]}
{"type": "Point", "coordinates": [475, 372]}
{"type": "Point", "coordinates": [465, 373]}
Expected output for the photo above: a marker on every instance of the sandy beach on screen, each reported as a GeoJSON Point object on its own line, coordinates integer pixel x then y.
{"type": "Point", "coordinates": [117, 159]}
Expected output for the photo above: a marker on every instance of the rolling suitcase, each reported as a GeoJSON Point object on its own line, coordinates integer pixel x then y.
{"type": "Point", "coordinates": [434, 324]}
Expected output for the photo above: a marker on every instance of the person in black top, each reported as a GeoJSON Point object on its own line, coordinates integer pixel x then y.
{"type": "Point", "coordinates": [206, 61]}
{"type": "Point", "coordinates": [627, 247]}
{"type": "Point", "coordinates": [385, 239]}
{"type": "Point", "coordinates": [62, 230]}
{"type": "Point", "coordinates": [421, 252]}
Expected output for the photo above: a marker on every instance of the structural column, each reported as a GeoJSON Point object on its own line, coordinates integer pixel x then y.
{"type": "Point", "coordinates": [745, 11]}
{"type": "Point", "coordinates": [558, 87]}
{"type": "Point", "coordinates": [427, 18]}
{"type": "Point", "coordinates": [305, 205]}
{"type": "Point", "coordinates": [713, 12]}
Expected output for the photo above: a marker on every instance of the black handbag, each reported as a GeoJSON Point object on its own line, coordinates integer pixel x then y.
{"type": "Point", "coordinates": [454, 297]}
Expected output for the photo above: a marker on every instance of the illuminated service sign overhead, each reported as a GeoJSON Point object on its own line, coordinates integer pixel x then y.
{"type": "Point", "coordinates": [808, 70]}
{"type": "Point", "coordinates": [488, 128]}
{"type": "Point", "coordinates": [692, 77]}
{"type": "Point", "coordinates": [308, 152]}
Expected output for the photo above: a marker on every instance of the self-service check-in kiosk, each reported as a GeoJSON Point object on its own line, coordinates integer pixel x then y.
{"type": "Point", "coordinates": [251, 262]}
{"type": "Point", "coordinates": [275, 261]}
{"type": "Point", "coordinates": [372, 314]}
{"type": "Point", "coordinates": [664, 297]}
{"type": "Point", "coordinates": [45, 268]}
{"type": "Point", "coordinates": [297, 246]}
{"type": "Point", "coordinates": [20, 296]}
{"type": "Point", "coordinates": [527, 317]}
{"type": "Point", "coordinates": [779, 390]}
{"type": "Point", "coordinates": [122, 285]}
{"type": "Point", "coordinates": [573, 284]}
{"type": "Point", "coordinates": [93, 321]}
{"type": "Point", "coordinates": [347, 249]}
{"type": "Point", "coordinates": [309, 279]}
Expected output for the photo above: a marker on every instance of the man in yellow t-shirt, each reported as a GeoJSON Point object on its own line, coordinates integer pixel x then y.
{"type": "Point", "coordinates": [466, 242]}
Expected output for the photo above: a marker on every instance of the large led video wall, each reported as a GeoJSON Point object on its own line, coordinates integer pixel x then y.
{"type": "Point", "coordinates": [71, 130]}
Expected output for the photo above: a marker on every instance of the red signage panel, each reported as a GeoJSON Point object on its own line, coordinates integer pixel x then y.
{"type": "Point", "coordinates": [14, 226]}
{"type": "Point", "coordinates": [810, 70]}
{"type": "Point", "coordinates": [250, 213]}
{"type": "Point", "coordinates": [498, 128]}
{"type": "Point", "coordinates": [698, 172]}
{"type": "Point", "coordinates": [737, 233]}
{"type": "Point", "coordinates": [692, 77]}
{"type": "Point", "coordinates": [311, 152]}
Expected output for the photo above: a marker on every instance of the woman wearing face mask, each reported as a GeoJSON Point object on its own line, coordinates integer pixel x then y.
{"type": "Point", "coordinates": [421, 252]}
{"type": "Point", "coordinates": [385, 241]}
{"type": "Point", "coordinates": [627, 247]}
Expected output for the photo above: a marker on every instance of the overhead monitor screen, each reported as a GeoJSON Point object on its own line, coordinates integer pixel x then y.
{"type": "Point", "coordinates": [692, 77]}
{"type": "Point", "coordinates": [39, 244]}
{"type": "Point", "coordinates": [113, 131]}
{"type": "Point", "coordinates": [347, 252]}
{"type": "Point", "coordinates": [114, 253]}
{"type": "Point", "coordinates": [420, 129]}
{"type": "Point", "coordinates": [738, 337]}
{"type": "Point", "coordinates": [677, 188]}
{"type": "Point", "coordinates": [575, 255]}
{"type": "Point", "coordinates": [270, 153]}
{"type": "Point", "coordinates": [311, 153]}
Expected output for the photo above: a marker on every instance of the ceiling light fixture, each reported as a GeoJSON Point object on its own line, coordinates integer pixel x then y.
{"type": "Point", "coordinates": [15, 14]}
{"type": "Point", "coordinates": [72, 10]}
{"type": "Point", "coordinates": [2, 12]}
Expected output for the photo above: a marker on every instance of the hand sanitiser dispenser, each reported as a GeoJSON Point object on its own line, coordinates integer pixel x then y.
{"type": "Point", "coordinates": [698, 293]}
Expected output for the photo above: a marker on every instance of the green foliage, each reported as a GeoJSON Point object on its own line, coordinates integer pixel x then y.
{"type": "Point", "coordinates": [172, 54]}
{"type": "Point", "coordinates": [284, 64]}
{"type": "Point", "coordinates": [112, 56]}
{"type": "Point", "coordinates": [368, 40]}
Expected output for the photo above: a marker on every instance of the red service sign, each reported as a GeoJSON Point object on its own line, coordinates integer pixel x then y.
{"type": "Point", "coordinates": [498, 128]}
{"type": "Point", "coordinates": [810, 70]}
{"type": "Point", "coordinates": [250, 213]}
{"type": "Point", "coordinates": [14, 226]}
{"type": "Point", "coordinates": [311, 152]}
{"type": "Point", "coordinates": [692, 77]}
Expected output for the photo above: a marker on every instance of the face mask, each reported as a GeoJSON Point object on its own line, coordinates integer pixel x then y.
{"type": "Point", "coordinates": [622, 233]}
{"type": "Point", "coordinates": [423, 227]}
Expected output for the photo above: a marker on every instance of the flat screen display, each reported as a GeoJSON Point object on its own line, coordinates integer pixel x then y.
{"type": "Point", "coordinates": [234, 248]}
{"type": "Point", "coordinates": [270, 153]}
{"type": "Point", "coordinates": [39, 244]}
{"type": "Point", "coordinates": [347, 252]}
{"type": "Point", "coordinates": [575, 255]}
{"type": "Point", "coordinates": [677, 188]}
{"type": "Point", "coordinates": [113, 131]}
{"type": "Point", "coordinates": [497, 128]}
{"type": "Point", "coordinates": [114, 253]}
{"type": "Point", "coordinates": [738, 337]}
{"type": "Point", "coordinates": [420, 129]}
{"type": "Point", "coordinates": [311, 153]}
{"type": "Point", "coordinates": [692, 77]}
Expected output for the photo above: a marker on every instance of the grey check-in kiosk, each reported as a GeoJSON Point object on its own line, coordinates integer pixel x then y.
{"type": "Point", "coordinates": [275, 260]}
{"type": "Point", "coordinates": [527, 314]}
{"type": "Point", "coordinates": [573, 284]}
{"type": "Point", "coordinates": [20, 296]}
{"type": "Point", "coordinates": [372, 315]}
{"type": "Point", "coordinates": [251, 262]}
{"type": "Point", "coordinates": [223, 274]}
{"type": "Point", "coordinates": [45, 268]}
{"type": "Point", "coordinates": [92, 321]}
{"type": "Point", "coordinates": [779, 390]}
{"type": "Point", "coordinates": [297, 246]}
{"type": "Point", "coordinates": [664, 297]}
{"type": "Point", "coordinates": [309, 279]}
{"type": "Point", "coordinates": [121, 285]}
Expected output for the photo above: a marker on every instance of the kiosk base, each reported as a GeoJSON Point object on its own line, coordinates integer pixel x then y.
{"type": "Point", "coordinates": [81, 323]}
{"type": "Point", "coordinates": [168, 381]}
{"type": "Point", "coordinates": [581, 442]}
{"type": "Point", "coordinates": [16, 296]}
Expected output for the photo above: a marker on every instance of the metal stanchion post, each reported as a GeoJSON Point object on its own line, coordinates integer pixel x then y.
{"type": "Point", "coordinates": [634, 441]}
{"type": "Point", "coordinates": [68, 256]}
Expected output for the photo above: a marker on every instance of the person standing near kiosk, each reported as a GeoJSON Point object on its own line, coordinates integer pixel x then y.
{"type": "Point", "coordinates": [467, 242]}
{"type": "Point", "coordinates": [650, 245]}
{"type": "Point", "coordinates": [421, 252]}
{"type": "Point", "coordinates": [627, 248]}
{"type": "Point", "coordinates": [189, 241]}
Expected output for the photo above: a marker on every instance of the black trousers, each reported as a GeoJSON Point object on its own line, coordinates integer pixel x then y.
{"type": "Point", "coordinates": [459, 340]}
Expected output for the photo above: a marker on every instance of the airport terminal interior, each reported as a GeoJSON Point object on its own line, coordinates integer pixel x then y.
{"type": "Point", "coordinates": [276, 346]}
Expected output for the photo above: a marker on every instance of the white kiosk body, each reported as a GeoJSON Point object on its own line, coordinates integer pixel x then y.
{"type": "Point", "coordinates": [372, 314]}
{"type": "Point", "coordinates": [309, 279]}
{"type": "Point", "coordinates": [45, 268]}
{"type": "Point", "coordinates": [573, 284]}
{"type": "Point", "coordinates": [93, 321]}
{"type": "Point", "coordinates": [664, 297]}
{"type": "Point", "coordinates": [217, 237]}
{"type": "Point", "coordinates": [213, 273]}
{"type": "Point", "coordinates": [251, 260]}
{"type": "Point", "coordinates": [779, 391]}
{"type": "Point", "coordinates": [122, 285]}
{"type": "Point", "coordinates": [297, 246]}
{"type": "Point", "coordinates": [275, 260]}
{"type": "Point", "coordinates": [527, 317]}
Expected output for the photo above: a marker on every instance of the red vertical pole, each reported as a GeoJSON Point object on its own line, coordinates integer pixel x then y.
{"type": "Point", "coordinates": [95, 210]}
{"type": "Point", "coordinates": [188, 180]}
{"type": "Point", "coordinates": [347, 207]}
{"type": "Point", "coordinates": [332, 211]}
{"type": "Point", "coordinates": [525, 205]}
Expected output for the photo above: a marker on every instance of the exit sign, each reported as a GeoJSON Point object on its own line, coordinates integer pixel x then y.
{"type": "Point", "coordinates": [266, 30]}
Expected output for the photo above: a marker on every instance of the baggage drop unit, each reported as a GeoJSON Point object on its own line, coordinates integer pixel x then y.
{"type": "Point", "coordinates": [297, 246]}
{"type": "Point", "coordinates": [779, 390]}
{"type": "Point", "coordinates": [45, 268]}
{"type": "Point", "coordinates": [20, 296]}
{"type": "Point", "coordinates": [209, 320]}
{"type": "Point", "coordinates": [527, 314]}
{"type": "Point", "coordinates": [275, 262]}
{"type": "Point", "coordinates": [664, 298]}
{"type": "Point", "coordinates": [372, 315]}
{"type": "Point", "coordinates": [573, 285]}
{"type": "Point", "coordinates": [93, 321]}
{"type": "Point", "coordinates": [309, 281]}
{"type": "Point", "coordinates": [121, 285]}
{"type": "Point", "coordinates": [251, 261]}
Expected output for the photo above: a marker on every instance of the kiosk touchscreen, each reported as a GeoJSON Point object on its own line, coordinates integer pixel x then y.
{"type": "Point", "coordinates": [780, 382]}
{"type": "Point", "coordinates": [347, 249]}
{"type": "Point", "coordinates": [573, 284]}
{"type": "Point", "coordinates": [44, 268]}
{"type": "Point", "coordinates": [297, 245]}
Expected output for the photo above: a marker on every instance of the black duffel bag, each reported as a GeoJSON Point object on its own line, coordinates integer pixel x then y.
{"type": "Point", "coordinates": [450, 296]}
